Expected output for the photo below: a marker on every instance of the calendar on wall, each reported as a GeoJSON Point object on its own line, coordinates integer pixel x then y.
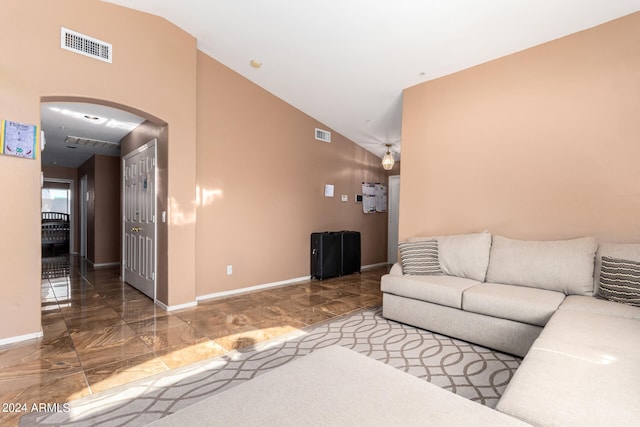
{"type": "Point", "coordinates": [18, 140]}
{"type": "Point", "coordinates": [374, 197]}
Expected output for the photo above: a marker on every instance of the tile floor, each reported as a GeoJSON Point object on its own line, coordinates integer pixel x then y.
{"type": "Point", "coordinates": [100, 333]}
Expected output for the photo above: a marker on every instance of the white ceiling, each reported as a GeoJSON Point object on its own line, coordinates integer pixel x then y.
{"type": "Point", "coordinates": [60, 120]}
{"type": "Point", "coordinates": [346, 62]}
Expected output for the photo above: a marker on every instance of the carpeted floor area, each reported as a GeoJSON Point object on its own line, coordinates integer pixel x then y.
{"type": "Point", "coordinates": [471, 371]}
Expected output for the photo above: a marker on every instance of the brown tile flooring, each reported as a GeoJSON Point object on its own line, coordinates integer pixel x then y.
{"type": "Point", "coordinates": [100, 333]}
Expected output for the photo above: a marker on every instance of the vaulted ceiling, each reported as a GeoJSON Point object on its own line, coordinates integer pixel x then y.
{"type": "Point", "coordinates": [346, 62]}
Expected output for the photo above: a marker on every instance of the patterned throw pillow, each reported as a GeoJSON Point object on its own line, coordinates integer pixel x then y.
{"type": "Point", "coordinates": [620, 281]}
{"type": "Point", "coordinates": [419, 258]}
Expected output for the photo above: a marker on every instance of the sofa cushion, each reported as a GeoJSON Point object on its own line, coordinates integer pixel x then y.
{"type": "Point", "coordinates": [443, 290]}
{"type": "Point", "coordinates": [600, 333]}
{"type": "Point", "coordinates": [419, 258]}
{"type": "Point", "coordinates": [584, 369]}
{"type": "Point", "coordinates": [620, 281]}
{"type": "Point", "coordinates": [521, 304]}
{"type": "Point", "coordinates": [599, 306]}
{"type": "Point", "coordinates": [465, 255]}
{"type": "Point", "coordinates": [563, 265]}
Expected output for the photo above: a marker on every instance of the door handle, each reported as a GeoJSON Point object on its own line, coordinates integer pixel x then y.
{"type": "Point", "coordinates": [136, 229]}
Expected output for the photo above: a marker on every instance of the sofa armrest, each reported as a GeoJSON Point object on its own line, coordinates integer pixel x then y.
{"type": "Point", "coordinates": [396, 269]}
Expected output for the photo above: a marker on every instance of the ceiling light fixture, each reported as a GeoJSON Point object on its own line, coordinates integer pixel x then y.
{"type": "Point", "coordinates": [387, 160]}
{"type": "Point", "coordinates": [255, 63]}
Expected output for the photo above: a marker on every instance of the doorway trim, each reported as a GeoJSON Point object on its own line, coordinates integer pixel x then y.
{"type": "Point", "coordinates": [83, 215]}
{"type": "Point", "coordinates": [393, 218]}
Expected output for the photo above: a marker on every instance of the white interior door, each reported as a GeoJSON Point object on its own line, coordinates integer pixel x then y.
{"type": "Point", "coordinates": [393, 215]}
{"type": "Point", "coordinates": [140, 219]}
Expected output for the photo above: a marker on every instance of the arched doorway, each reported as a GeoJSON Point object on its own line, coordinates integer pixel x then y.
{"type": "Point", "coordinates": [87, 139]}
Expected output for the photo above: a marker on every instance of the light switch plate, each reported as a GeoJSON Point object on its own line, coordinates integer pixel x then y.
{"type": "Point", "coordinates": [345, 198]}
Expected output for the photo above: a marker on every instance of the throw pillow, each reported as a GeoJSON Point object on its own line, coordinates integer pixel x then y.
{"type": "Point", "coordinates": [419, 258]}
{"type": "Point", "coordinates": [620, 281]}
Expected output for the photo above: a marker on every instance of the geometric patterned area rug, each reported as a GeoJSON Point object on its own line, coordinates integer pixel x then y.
{"type": "Point", "coordinates": [469, 370]}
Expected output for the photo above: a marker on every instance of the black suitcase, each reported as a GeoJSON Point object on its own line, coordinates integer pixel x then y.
{"type": "Point", "coordinates": [326, 255]}
{"type": "Point", "coordinates": [350, 252]}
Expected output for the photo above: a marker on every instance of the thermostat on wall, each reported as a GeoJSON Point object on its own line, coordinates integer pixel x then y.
{"type": "Point", "coordinates": [358, 198]}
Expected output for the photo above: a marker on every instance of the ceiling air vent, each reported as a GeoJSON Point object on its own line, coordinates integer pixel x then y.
{"type": "Point", "coordinates": [323, 135]}
{"type": "Point", "coordinates": [92, 142]}
{"type": "Point", "coordinates": [85, 45]}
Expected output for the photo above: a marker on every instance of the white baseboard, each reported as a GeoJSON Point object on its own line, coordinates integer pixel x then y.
{"type": "Point", "coordinates": [19, 338]}
{"type": "Point", "coordinates": [251, 288]}
{"type": "Point", "coordinates": [371, 266]}
{"type": "Point", "coordinates": [270, 285]}
{"type": "Point", "coordinates": [243, 290]}
{"type": "Point", "coordinates": [105, 264]}
{"type": "Point", "coordinates": [176, 307]}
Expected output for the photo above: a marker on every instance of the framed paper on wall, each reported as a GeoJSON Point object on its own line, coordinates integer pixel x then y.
{"type": "Point", "coordinates": [19, 140]}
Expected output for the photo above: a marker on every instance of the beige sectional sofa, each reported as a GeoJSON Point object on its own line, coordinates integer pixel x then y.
{"type": "Point", "coordinates": [535, 299]}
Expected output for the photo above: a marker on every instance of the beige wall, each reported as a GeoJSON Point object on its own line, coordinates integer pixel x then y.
{"type": "Point", "coordinates": [108, 217]}
{"type": "Point", "coordinates": [541, 144]}
{"type": "Point", "coordinates": [154, 71]}
{"type": "Point", "coordinates": [261, 177]}
{"type": "Point", "coordinates": [103, 209]}
{"type": "Point", "coordinates": [154, 75]}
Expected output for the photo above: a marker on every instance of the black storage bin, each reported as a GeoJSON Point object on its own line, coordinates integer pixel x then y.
{"type": "Point", "coordinates": [326, 255]}
{"type": "Point", "coordinates": [350, 252]}
{"type": "Point", "coordinates": [334, 254]}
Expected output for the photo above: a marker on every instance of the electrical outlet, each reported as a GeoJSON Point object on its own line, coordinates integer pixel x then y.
{"type": "Point", "coordinates": [229, 270]}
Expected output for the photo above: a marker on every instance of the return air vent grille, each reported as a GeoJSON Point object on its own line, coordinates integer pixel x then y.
{"type": "Point", "coordinates": [92, 142]}
{"type": "Point", "coordinates": [323, 135]}
{"type": "Point", "coordinates": [85, 45]}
